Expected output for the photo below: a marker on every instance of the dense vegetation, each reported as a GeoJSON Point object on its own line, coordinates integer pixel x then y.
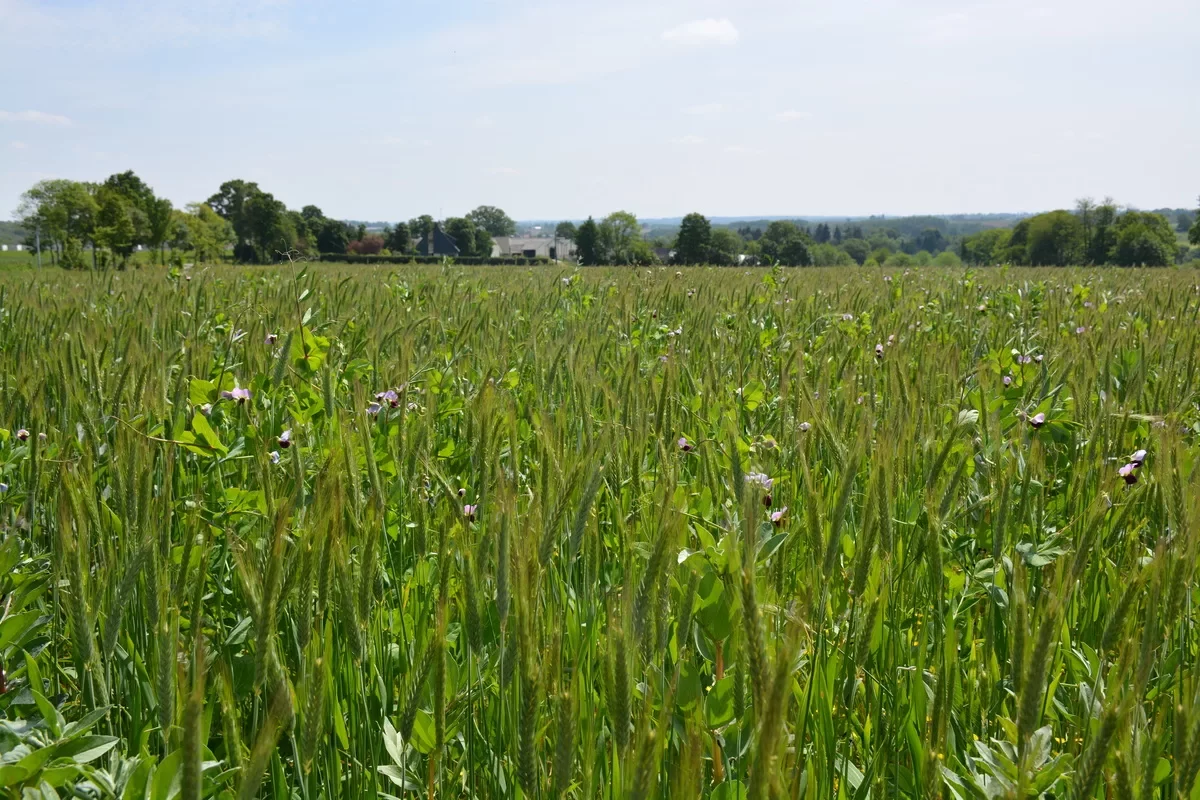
{"type": "Point", "coordinates": [449, 533]}
{"type": "Point", "coordinates": [98, 225]}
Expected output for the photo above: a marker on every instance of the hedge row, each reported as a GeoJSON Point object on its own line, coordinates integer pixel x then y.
{"type": "Point", "coordinates": [354, 258]}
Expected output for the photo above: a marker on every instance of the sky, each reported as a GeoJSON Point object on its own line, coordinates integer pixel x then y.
{"type": "Point", "coordinates": [388, 109]}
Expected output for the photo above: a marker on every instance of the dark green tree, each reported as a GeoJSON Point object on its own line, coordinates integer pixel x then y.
{"type": "Point", "coordinates": [462, 231]}
{"type": "Point", "coordinates": [822, 234]}
{"type": "Point", "coordinates": [1194, 231]}
{"type": "Point", "coordinates": [400, 238]}
{"type": "Point", "coordinates": [837, 234]}
{"type": "Point", "coordinates": [784, 243]}
{"type": "Point", "coordinates": [333, 236]}
{"type": "Point", "coordinates": [724, 247]}
{"type": "Point", "coordinates": [587, 242]}
{"type": "Point", "coordinates": [566, 230]}
{"type": "Point", "coordinates": [1144, 239]}
{"type": "Point", "coordinates": [493, 220]}
{"type": "Point", "coordinates": [858, 249]}
{"type": "Point", "coordinates": [694, 240]}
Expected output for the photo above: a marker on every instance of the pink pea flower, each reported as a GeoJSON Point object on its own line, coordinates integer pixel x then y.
{"type": "Point", "coordinates": [777, 516]}
{"type": "Point", "coordinates": [1129, 473]}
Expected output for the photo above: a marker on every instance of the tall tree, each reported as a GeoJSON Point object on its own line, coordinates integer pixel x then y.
{"type": "Point", "coordinates": [116, 230]}
{"type": "Point", "coordinates": [837, 234]}
{"type": "Point", "coordinates": [1144, 239]}
{"type": "Point", "coordinates": [587, 242]}
{"type": "Point", "coordinates": [158, 224]}
{"type": "Point", "coordinates": [724, 247]}
{"type": "Point", "coordinates": [400, 239]}
{"type": "Point", "coordinates": [566, 230]}
{"type": "Point", "coordinates": [619, 233]}
{"type": "Point", "coordinates": [462, 231]}
{"type": "Point", "coordinates": [695, 239]}
{"type": "Point", "coordinates": [822, 234]}
{"type": "Point", "coordinates": [1194, 231]}
{"type": "Point", "coordinates": [785, 243]}
{"type": "Point", "coordinates": [493, 220]}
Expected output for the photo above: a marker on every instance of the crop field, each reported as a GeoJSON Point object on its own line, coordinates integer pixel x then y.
{"type": "Point", "coordinates": [340, 532]}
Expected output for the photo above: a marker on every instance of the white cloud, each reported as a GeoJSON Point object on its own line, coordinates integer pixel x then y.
{"type": "Point", "coordinates": [790, 115]}
{"type": "Point", "coordinates": [40, 117]}
{"type": "Point", "coordinates": [704, 109]}
{"type": "Point", "coordinates": [703, 31]}
{"type": "Point", "coordinates": [18, 145]}
{"type": "Point", "coordinates": [504, 171]}
{"type": "Point", "coordinates": [689, 139]}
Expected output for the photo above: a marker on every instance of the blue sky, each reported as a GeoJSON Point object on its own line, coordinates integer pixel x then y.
{"type": "Point", "coordinates": [386, 110]}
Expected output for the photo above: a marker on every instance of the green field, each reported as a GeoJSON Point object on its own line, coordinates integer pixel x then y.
{"type": "Point", "coordinates": [618, 533]}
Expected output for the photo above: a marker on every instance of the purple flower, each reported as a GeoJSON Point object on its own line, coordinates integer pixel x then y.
{"type": "Point", "coordinates": [1038, 358]}
{"type": "Point", "coordinates": [1025, 359]}
{"type": "Point", "coordinates": [238, 394]}
{"type": "Point", "coordinates": [23, 435]}
{"type": "Point", "coordinates": [777, 516]}
{"type": "Point", "coordinates": [469, 512]}
{"type": "Point", "coordinates": [1087, 303]}
{"type": "Point", "coordinates": [804, 427]}
{"type": "Point", "coordinates": [1138, 458]}
{"type": "Point", "coordinates": [1008, 380]}
{"type": "Point", "coordinates": [272, 338]}
{"type": "Point", "coordinates": [389, 396]}
{"type": "Point", "coordinates": [462, 492]}
{"type": "Point", "coordinates": [760, 479]}
{"type": "Point", "coordinates": [206, 409]}
{"type": "Point", "coordinates": [847, 317]}
{"type": "Point", "coordinates": [1037, 420]}
{"type": "Point", "coordinates": [274, 456]}
{"type": "Point", "coordinates": [285, 439]}
{"type": "Point", "coordinates": [879, 351]}
{"type": "Point", "coordinates": [1129, 473]}
{"type": "Point", "coordinates": [374, 409]}
{"type": "Point", "coordinates": [887, 278]}
{"type": "Point", "coordinates": [3, 488]}
{"type": "Point", "coordinates": [684, 445]}
{"type": "Point", "coordinates": [1081, 329]}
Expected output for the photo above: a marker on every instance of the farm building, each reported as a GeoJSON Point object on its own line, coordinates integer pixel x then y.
{"type": "Point", "coordinates": [533, 247]}
{"type": "Point", "coordinates": [439, 243]}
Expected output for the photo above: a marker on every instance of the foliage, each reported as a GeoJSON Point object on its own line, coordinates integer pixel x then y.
{"type": "Point", "coordinates": [442, 532]}
{"type": "Point", "coordinates": [784, 243]}
{"type": "Point", "coordinates": [566, 230]}
{"type": "Point", "coordinates": [493, 220]}
{"type": "Point", "coordinates": [587, 242]}
{"type": "Point", "coordinates": [694, 243]}
{"type": "Point", "coordinates": [617, 235]}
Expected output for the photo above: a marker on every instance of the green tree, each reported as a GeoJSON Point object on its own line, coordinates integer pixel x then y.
{"type": "Point", "coordinates": [230, 203]}
{"type": "Point", "coordinates": [1102, 236]}
{"type": "Point", "coordinates": [208, 233]}
{"type": "Point", "coordinates": [724, 247]}
{"type": "Point", "coordinates": [462, 231]}
{"type": "Point", "coordinates": [694, 241]}
{"type": "Point", "coordinates": [421, 226]}
{"type": "Point", "coordinates": [1144, 239]}
{"type": "Point", "coordinates": [493, 220]}
{"type": "Point", "coordinates": [587, 243]}
{"type": "Point", "coordinates": [333, 236]}
{"type": "Point", "coordinates": [1194, 231]}
{"type": "Point", "coordinates": [159, 214]}
{"type": "Point", "coordinates": [399, 240]}
{"type": "Point", "coordinates": [483, 243]}
{"type": "Point", "coordinates": [784, 243]}
{"type": "Point", "coordinates": [830, 255]}
{"type": "Point", "coordinates": [618, 233]}
{"type": "Point", "coordinates": [270, 231]}
{"type": "Point", "coordinates": [947, 258]}
{"type": "Point", "coordinates": [987, 247]}
{"type": "Point", "coordinates": [566, 230]}
{"type": "Point", "coordinates": [62, 212]}
{"type": "Point", "coordinates": [858, 249]}
{"type": "Point", "coordinates": [1054, 239]}
{"type": "Point", "coordinates": [116, 230]}
{"type": "Point", "coordinates": [822, 234]}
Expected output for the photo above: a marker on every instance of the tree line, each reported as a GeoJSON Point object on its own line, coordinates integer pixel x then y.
{"type": "Point", "coordinates": [102, 224]}
{"type": "Point", "coordinates": [81, 224]}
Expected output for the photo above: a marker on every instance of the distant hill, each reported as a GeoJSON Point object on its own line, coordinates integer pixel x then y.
{"type": "Point", "coordinates": [11, 233]}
